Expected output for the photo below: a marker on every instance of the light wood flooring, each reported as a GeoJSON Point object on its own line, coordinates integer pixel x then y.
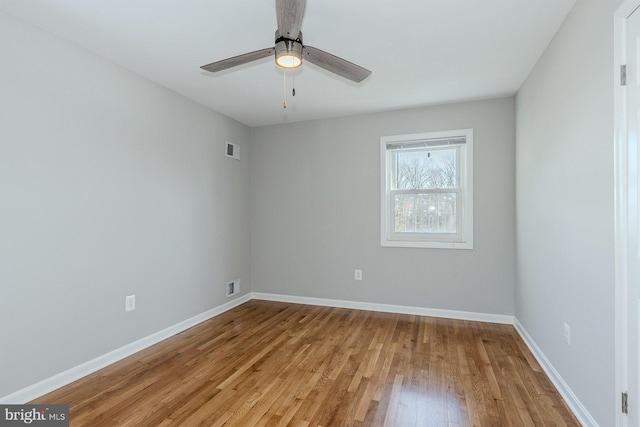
{"type": "Point", "coordinates": [276, 364]}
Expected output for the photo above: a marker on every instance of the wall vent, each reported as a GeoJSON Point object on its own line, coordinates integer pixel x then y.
{"type": "Point", "coordinates": [233, 287]}
{"type": "Point", "coordinates": [232, 150]}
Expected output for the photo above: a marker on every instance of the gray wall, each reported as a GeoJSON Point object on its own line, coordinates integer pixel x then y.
{"type": "Point", "coordinates": [109, 185]}
{"type": "Point", "coordinates": [565, 200]}
{"type": "Point", "coordinates": [315, 202]}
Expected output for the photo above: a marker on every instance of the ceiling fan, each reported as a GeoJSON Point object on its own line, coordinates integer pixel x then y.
{"type": "Point", "coordinates": [289, 49]}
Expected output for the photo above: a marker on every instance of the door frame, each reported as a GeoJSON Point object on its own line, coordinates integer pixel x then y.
{"type": "Point", "coordinates": [621, 195]}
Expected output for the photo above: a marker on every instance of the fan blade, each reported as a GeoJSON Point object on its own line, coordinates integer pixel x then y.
{"type": "Point", "coordinates": [336, 65]}
{"type": "Point", "coordinates": [238, 60]}
{"type": "Point", "coordinates": [290, 14]}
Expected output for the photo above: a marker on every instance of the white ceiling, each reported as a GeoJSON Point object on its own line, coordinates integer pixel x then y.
{"type": "Point", "coordinates": [421, 52]}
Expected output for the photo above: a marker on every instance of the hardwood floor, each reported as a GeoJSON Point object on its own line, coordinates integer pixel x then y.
{"type": "Point", "coordinates": [276, 364]}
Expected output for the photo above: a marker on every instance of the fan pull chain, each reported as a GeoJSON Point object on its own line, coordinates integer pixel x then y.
{"type": "Point", "coordinates": [284, 90]}
{"type": "Point", "coordinates": [293, 79]}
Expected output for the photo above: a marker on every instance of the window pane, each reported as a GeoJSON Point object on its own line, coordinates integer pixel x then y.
{"type": "Point", "coordinates": [425, 213]}
{"type": "Point", "coordinates": [426, 169]}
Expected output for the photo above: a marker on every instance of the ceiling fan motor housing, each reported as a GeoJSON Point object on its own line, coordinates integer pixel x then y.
{"type": "Point", "coordinates": [288, 51]}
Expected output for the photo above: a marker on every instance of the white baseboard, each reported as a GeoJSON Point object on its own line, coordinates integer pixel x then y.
{"type": "Point", "coordinates": [48, 385]}
{"type": "Point", "coordinates": [387, 308]}
{"type": "Point", "coordinates": [578, 409]}
{"type": "Point", "coordinates": [64, 378]}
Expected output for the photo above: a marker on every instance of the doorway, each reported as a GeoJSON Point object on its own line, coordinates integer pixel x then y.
{"type": "Point", "coordinates": [627, 211]}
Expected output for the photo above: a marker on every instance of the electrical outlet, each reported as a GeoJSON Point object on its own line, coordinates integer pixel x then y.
{"type": "Point", "coordinates": [567, 334]}
{"type": "Point", "coordinates": [130, 303]}
{"type": "Point", "coordinates": [358, 275]}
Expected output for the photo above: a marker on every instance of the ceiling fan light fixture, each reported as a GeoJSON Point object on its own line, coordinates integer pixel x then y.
{"type": "Point", "coordinates": [289, 61]}
{"type": "Point", "coordinates": [289, 48]}
{"type": "Point", "coordinates": [289, 52]}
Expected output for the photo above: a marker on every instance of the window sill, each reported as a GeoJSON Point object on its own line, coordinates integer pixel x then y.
{"type": "Point", "coordinates": [425, 245]}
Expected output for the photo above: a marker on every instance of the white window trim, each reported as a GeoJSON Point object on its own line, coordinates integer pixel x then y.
{"type": "Point", "coordinates": [423, 240]}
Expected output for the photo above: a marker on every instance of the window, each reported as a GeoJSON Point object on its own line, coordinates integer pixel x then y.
{"type": "Point", "coordinates": [427, 190]}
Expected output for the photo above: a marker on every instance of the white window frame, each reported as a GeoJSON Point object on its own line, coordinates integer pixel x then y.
{"type": "Point", "coordinates": [463, 238]}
